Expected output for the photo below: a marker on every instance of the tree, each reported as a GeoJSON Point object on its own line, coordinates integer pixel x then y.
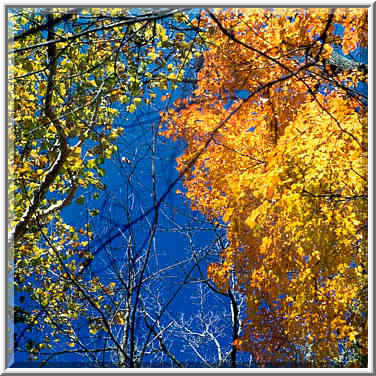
{"type": "Point", "coordinates": [95, 286]}
{"type": "Point", "coordinates": [277, 130]}
{"type": "Point", "coordinates": [78, 72]}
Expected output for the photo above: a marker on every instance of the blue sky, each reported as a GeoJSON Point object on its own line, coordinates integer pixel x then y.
{"type": "Point", "coordinates": [178, 229]}
{"type": "Point", "coordinates": [181, 233]}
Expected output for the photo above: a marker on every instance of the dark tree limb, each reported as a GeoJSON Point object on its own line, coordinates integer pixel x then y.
{"type": "Point", "coordinates": [63, 151]}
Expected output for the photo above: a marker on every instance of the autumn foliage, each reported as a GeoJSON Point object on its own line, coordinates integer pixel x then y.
{"type": "Point", "coordinates": [278, 133]}
{"type": "Point", "coordinates": [71, 73]}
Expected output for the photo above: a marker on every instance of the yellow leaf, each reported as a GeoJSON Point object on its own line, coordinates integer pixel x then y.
{"type": "Point", "coordinates": [352, 335]}
{"type": "Point", "coordinates": [251, 220]}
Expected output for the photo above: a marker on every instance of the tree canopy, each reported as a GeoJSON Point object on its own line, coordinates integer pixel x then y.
{"type": "Point", "coordinates": [268, 111]}
{"type": "Point", "coordinates": [284, 134]}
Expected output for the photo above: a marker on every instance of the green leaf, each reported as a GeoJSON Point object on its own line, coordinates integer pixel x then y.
{"type": "Point", "coordinates": [101, 172]}
{"type": "Point", "coordinates": [92, 163]}
{"type": "Point", "coordinates": [94, 212]}
{"type": "Point", "coordinates": [80, 200]}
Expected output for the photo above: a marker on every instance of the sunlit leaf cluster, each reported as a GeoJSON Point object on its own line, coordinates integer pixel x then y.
{"type": "Point", "coordinates": [278, 134]}
{"type": "Point", "coordinates": [71, 73]}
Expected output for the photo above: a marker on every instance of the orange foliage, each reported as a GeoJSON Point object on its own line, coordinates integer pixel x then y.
{"type": "Point", "coordinates": [286, 170]}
